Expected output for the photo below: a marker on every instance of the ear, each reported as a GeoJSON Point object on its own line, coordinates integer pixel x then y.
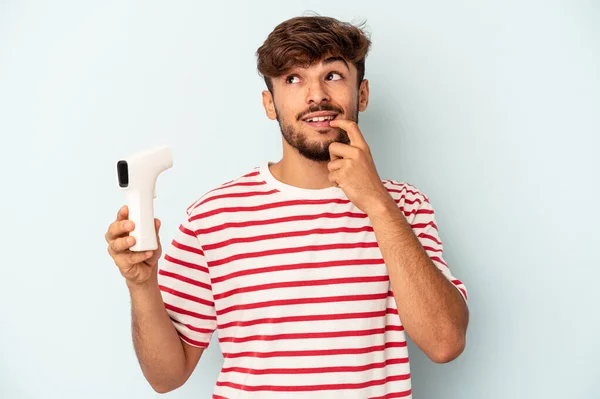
{"type": "Point", "coordinates": [267, 100]}
{"type": "Point", "coordinates": [363, 95]}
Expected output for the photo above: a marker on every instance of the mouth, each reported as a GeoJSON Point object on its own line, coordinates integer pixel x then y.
{"type": "Point", "coordinates": [320, 119]}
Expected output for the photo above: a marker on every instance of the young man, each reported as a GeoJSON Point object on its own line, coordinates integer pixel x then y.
{"type": "Point", "coordinates": [311, 269]}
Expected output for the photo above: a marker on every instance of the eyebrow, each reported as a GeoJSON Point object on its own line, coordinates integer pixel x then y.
{"type": "Point", "coordinates": [331, 60]}
{"type": "Point", "coordinates": [327, 61]}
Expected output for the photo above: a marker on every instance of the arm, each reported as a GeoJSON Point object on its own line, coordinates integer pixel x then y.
{"type": "Point", "coordinates": [166, 361]}
{"type": "Point", "coordinates": [433, 312]}
{"type": "Point", "coordinates": [167, 344]}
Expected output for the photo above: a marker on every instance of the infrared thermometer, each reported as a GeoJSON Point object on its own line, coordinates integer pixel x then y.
{"type": "Point", "coordinates": [137, 176]}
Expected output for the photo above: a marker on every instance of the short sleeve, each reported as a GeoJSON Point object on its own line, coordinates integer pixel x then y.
{"type": "Point", "coordinates": [185, 287]}
{"type": "Point", "coordinates": [424, 225]}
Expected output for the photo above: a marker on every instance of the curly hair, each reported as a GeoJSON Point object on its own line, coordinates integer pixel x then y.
{"type": "Point", "coordinates": [303, 41]}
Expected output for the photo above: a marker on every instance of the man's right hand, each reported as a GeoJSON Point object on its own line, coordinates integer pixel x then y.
{"type": "Point", "coordinates": [136, 267]}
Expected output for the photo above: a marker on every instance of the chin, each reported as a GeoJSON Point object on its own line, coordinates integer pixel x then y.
{"type": "Point", "coordinates": [326, 130]}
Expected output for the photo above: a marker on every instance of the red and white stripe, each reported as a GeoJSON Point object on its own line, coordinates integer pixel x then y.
{"type": "Point", "coordinates": [296, 288]}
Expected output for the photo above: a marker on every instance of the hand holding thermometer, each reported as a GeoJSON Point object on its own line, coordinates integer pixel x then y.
{"type": "Point", "coordinates": [137, 176]}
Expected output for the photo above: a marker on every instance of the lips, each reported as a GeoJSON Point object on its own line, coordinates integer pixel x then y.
{"type": "Point", "coordinates": [319, 119]}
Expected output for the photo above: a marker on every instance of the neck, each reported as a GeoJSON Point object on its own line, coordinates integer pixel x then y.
{"type": "Point", "coordinates": [296, 170]}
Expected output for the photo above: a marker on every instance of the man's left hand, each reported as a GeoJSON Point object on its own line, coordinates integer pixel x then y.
{"type": "Point", "coordinates": [352, 169]}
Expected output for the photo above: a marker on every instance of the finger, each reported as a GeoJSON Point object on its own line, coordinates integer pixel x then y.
{"type": "Point", "coordinates": [337, 164]}
{"type": "Point", "coordinates": [334, 177]}
{"type": "Point", "coordinates": [354, 134]}
{"type": "Point", "coordinates": [138, 257]}
{"type": "Point", "coordinates": [155, 255]}
{"type": "Point", "coordinates": [119, 229]}
{"type": "Point", "coordinates": [123, 213]}
{"type": "Point", "coordinates": [340, 150]}
{"type": "Point", "coordinates": [122, 244]}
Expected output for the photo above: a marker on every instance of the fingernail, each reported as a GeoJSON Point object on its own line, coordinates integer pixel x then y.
{"type": "Point", "coordinates": [129, 240]}
{"type": "Point", "coordinates": [127, 225]}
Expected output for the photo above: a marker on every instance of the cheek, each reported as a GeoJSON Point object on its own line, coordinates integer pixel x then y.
{"type": "Point", "coordinates": [347, 101]}
{"type": "Point", "coordinates": [289, 111]}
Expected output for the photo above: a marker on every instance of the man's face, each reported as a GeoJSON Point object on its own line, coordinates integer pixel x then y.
{"type": "Point", "coordinates": [305, 100]}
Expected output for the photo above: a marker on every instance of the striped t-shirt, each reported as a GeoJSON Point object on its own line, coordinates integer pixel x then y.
{"type": "Point", "coordinates": [295, 285]}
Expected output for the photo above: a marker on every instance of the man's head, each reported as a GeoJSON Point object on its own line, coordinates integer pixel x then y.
{"type": "Point", "coordinates": [314, 68]}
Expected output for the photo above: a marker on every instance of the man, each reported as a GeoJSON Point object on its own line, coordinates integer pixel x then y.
{"type": "Point", "coordinates": [310, 269]}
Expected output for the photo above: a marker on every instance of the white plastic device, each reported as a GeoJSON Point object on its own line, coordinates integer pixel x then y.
{"type": "Point", "coordinates": [136, 176]}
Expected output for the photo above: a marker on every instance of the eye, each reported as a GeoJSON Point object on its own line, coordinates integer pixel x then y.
{"type": "Point", "coordinates": [289, 79]}
{"type": "Point", "coordinates": [333, 75]}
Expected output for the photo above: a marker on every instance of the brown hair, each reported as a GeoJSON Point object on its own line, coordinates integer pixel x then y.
{"type": "Point", "coordinates": [302, 41]}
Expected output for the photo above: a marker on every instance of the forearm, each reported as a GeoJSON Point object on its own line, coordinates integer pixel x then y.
{"type": "Point", "coordinates": [157, 345]}
{"type": "Point", "coordinates": [432, 310]}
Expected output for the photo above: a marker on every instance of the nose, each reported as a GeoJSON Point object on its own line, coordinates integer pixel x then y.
{"type": "Point", "coordinates": [317, 93]}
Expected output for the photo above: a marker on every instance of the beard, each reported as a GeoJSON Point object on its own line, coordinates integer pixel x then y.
{"type": "Point", "coordinates": [314, 150]}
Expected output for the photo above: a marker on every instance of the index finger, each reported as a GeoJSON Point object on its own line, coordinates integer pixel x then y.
{"type": "Point", "coordinates": [123, 213]}
{"type": "Point", "coordinates": [354, 133]}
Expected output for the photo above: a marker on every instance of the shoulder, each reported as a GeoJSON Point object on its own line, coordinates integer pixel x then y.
{"type": "Point", "coordinates": [228, 193]}
{"type": "Point", "coordinates": [406, 195]}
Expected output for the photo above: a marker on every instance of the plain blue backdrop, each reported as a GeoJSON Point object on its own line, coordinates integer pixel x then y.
{"type": "Point", "coordinates": [491, 108]}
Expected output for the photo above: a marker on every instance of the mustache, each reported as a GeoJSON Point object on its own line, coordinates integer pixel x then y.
{"type": "Point", "coordinates": [317, 108]}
